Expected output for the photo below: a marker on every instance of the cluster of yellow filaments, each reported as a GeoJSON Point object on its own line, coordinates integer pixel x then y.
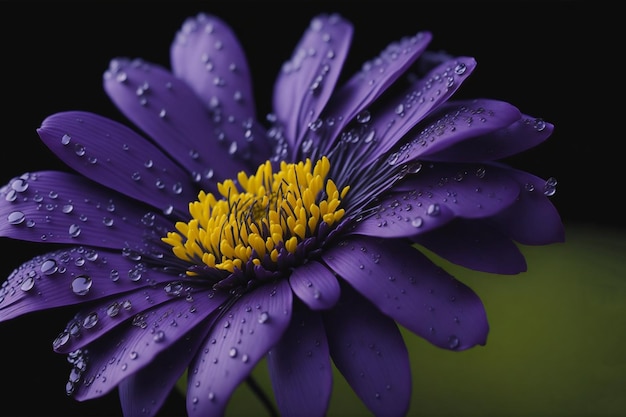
{"type": "Point", "coordinates": [257, 217]}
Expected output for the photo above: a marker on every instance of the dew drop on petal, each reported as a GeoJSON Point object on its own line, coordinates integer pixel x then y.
{"type": "Point", "coordinates": [28, 284]}
{"type": "Point", "coordinates": [74, 230]}
{"type": "Point", "coordinates": [16, 217]}
{"type": "Point", "coordinates": [90, 320]}
{"type": "Point", "coordinates": [81, 284]}
{"type": "Point", "coordinates": [453, 342]}
{"type": "Point", "coordinates": [264, 317]}
{"type": "Point", "coordinates": [49, 267]}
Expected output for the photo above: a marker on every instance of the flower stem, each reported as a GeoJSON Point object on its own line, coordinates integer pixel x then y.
{"type": "Point", "coordinates": [258, 391]}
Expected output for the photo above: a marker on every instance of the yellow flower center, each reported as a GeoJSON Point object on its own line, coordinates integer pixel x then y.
{"type": "Point", "coordinates": [256, 219]}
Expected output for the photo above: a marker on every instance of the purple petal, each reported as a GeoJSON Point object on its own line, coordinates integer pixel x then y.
{"type": "Point", "coordinates": [477, 245]}
{"type": "Point", "coordinates": [401, 114]}
{"type": "Point", "coordinates": [409, 288]}
{"type": "Point", "coordinates": [58, 207]}
{"type": "Point", "coordinates": [521, 135]}
{"type": "Point", "coordinates": [307, 80]}
{"type": "Point", "coordinates": [72, 276]}
{"type": "Point", "coordinates": [532, 219]}
{"type": "Point", "coordinates": [240, 337]}
{"type": "Point", "coordinates": [99, 318]}
{"type": "Point", "coordinates": [405, 214]}
{"type": "Point", "coordinates": [208, 146]}
{"type": "Point", "coordinates": [457, 122]}
{"type": "Point", "coordinates": [433, 194]}
{"type": "Point", "coordinates": [368, 350]}
{"type": "Point", "coordinates": [371, 81]}
{"type": "Point", "coordinates": [117, 157]}
{"type": "Point", "coordinates": [315, 285]}
{"type": "Point", "coordinates": [299, 366]}
{"type": "Point", "coordinates": [127, 349]}
{"type": "Point", "coordinates": [207, 55]}
{"type": "Point", "coordinates": [144, 392]}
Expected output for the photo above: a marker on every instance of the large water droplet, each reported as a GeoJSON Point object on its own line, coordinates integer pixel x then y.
{"type": "Point", "coordinates": [16, 217]}
{"type": "Point", "coordinates": [81, 284]}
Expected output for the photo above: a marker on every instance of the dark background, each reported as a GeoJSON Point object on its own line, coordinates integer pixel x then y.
{"type": "Point", "coordinates": [547, 58]}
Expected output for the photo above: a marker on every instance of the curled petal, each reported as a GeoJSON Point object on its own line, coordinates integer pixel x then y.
{"type": "Point", "coordinates": [521, 135]}
{"type": "Point", "coordinates": [435, 194]}
{"type": "Point", "coordinates": [315, 285]}
{"type": "Point", "coordinates": [409, 288]}
{"type": "Point", "coordinates": [462, 125]}
{"type": "Point", "coordinates": [300, 367]}
{"type": "Point", "coordinates": [368, 349]}
{"type": "Point", "coordinates": [475, 244]}
{"type": "Point", "coordinates": [239, 339]}
{"type": "Point", "coordinates": [532, 219]}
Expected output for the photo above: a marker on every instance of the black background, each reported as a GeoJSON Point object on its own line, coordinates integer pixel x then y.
{"type": "Point", "coordinates": [551, 59]}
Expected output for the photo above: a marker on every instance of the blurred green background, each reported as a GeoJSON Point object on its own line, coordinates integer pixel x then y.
{"type": "Point", "coordinates": [555, 347]}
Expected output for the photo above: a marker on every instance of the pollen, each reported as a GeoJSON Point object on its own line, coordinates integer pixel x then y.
{"type": "Point", "coordinates": [259, 216]}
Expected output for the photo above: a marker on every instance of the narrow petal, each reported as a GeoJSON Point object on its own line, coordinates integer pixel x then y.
{"type": "Point", "coordinates": [435, 193]}
{"type": "Point", "coordinates": [101, 317]}
{"type": "Point", "coordinates": [207, 55]}
{"type": "Point", "coordinates": [364, 87]}
{"type": "Point", "coordinates": [400, 114]}
{"type": "Point", "coordinates": [409, 288]}
{"type": "Point", "coordinates": [239, 339]}
{"type": "Point", "coordinates": [73, 276]}
{"type": "Point", "coordinates": [144, 392]}
{"type": "Point", "coordinates": [127, 349]}
{"type": "Point", "coordinates": [533, 219]}
{"type": "Point", "coordinates": [58, 207]}
{"type": "Point", "coordinates": [315, 285]}
{"type": "Point", "coordinates": [300, 368]}
{"type": "Point", "coordinates": [163, 106]}
{"type": "Point", "coordinates": [368, 350]}
{"type": "Point", "coordinates": [115, 156]}
{"type": "Point", "coordinates": [519, 136]}
{"type": "Point", "coordinates": [462, 125]}
{"type": "Point", "coordinates": [477, 245]}
{"type": "Point", "coordinates": [307, 80]}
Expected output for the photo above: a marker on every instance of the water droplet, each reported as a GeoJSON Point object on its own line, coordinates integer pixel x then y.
{"type": "Point", "coordinates": [81, 284]}
{"type": "Point", "coordinates": [28, 284]}
{"type": "Point", "coordinates": [363, 117]}
{"type": "Point", "coordinates": [90, 320]}
{"type": "Point", "coordinates": [74, 230]}
{"type": "Point", "coordinates": [159, 336]}
{"type": "Point", "coordinates": [66, 139]}
{"type": "Point", "coordinates": [19, 185]}
{"type": "Point", "coordinates": [264, 317]}
{"type": "Point", "coordinates": [232, 352]}
{"type": "Point", "coordinates": [453, 342]}
{"type": "Point", "coordinates": [16, 217]}
{"type": "Point", "coordinates": [49, 267]}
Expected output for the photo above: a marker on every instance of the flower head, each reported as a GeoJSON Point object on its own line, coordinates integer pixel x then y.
{"type": "Point", "coordinates": [213, 240]}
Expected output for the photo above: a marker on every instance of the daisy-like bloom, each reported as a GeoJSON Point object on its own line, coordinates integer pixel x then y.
{"type": "Point", "coordinates": [212, 240]}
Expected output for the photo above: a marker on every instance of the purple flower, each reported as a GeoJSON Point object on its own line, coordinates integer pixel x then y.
{"type": "Point", "coordinates": [214, 240]}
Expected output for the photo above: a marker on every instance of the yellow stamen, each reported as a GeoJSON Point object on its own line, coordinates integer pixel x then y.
{"type": "Point", "coordinates": [261, 212]}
